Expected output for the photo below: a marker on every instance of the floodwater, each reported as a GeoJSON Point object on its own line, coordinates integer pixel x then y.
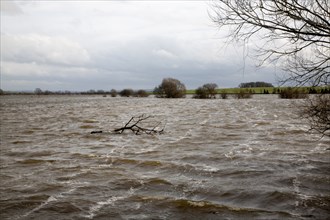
{"type": "Point", "coordinates": [217, 159]}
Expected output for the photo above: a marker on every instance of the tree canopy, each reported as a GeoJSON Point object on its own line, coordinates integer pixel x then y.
{"type": "Point", "coordinates": [255, 84]}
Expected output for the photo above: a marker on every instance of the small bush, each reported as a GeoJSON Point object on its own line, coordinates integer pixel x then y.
{"type": "Point", "coordinates": [224, 95]}
{"type": "Point", "coordinates": [141, 93]}
{"type": "Point", "coordinates": [126, 93]}
{"type": "Point", "coordinates": [113, 93]}
{"type": "Point", "coordinates": [207, 91]}
{"type": "Point", "coordinates": [201, 93]}
{"type": "Point", "coordinates": [243, 94]}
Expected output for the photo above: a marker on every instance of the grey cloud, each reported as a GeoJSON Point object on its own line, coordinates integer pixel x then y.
{"type": "Point", "coordinates": [143, 63]}
{"type": "Point", "coordinates": [45, 76]}
{"type": "Point", "coordinates": [107, 44]}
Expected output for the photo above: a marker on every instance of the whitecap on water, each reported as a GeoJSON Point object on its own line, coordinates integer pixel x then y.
{"type": "Point", "coordinates": [51, 199]}
{"type": "Point", "coordinates": [94, 210]}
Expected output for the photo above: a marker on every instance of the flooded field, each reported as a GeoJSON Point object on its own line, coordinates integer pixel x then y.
{"type": "Point", "coordinates": [217, 159]}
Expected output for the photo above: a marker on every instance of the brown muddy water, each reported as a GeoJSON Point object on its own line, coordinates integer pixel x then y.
{"type": "Point", "coordinates": [217, 159]}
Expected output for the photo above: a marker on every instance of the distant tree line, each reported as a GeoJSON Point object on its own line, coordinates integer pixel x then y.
{"type": "Point", "coordinates": [123, 93]}
{"type": "Point", "coordinates": [174, 88]}
{"type": "Point", "coordinates": [255, 84]}
{"type": "Point", "coordinates": [130, 93]}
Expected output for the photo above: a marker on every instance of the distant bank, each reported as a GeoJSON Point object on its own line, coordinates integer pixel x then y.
{"type": "Point", "coordinates": [270, 90]}
{"type": "Point", "coordinates": [252, 90]}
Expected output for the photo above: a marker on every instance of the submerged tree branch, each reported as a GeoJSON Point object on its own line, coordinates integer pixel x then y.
{"type": "Point", "coordinates": [139, 125]}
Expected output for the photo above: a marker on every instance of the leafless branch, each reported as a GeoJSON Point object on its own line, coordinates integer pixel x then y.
{"type": "Point", "coordinates": [295, 32]}
{"type": "Point", "coordinates": [139, 125]}
{"type": "Point", "coordinates": [134, 125]}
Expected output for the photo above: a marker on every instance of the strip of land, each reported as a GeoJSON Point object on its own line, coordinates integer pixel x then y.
{"type": "Point", "coordinates": [269, 90]}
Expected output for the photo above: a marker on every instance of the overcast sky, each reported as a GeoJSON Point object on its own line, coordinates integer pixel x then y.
{"type": "Point", "coordinates": [82, 45]}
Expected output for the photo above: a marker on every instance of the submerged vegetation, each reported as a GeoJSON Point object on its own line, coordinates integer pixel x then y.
{"type": "Point", "coordinates": [207, 91]}
{"type": "Point", "coordinates": [244, 94]}
{"type": "Point", "coordinates": [292, 93]}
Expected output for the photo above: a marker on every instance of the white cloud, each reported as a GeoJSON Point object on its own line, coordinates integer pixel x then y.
{"type": "Point", "coordinates": [42, 49]}
{"type": "Point", "coordinates": [164, 54]}
{"type": "Point", "coordinates": [45, 76]}
{"type": "Point", "coordinates": [28, 85]}
{"type": "Point", "coordinates": [33, 70]}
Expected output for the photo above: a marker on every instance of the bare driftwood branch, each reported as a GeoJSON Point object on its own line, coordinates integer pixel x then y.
{"type": "Point", "coordinates": [134, 125]}
{"type": "Point", "coordinates": [139, 125]}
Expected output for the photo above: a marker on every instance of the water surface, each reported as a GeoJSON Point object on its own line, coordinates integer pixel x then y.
{"type": "Point", "coordinates": [217, 159]}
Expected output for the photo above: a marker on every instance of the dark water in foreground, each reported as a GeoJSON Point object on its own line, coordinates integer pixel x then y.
{"type": "Point", "coordinates": [218, 159]}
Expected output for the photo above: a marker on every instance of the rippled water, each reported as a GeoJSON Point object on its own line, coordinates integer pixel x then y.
{"type": "Point", "coordinates": [218, 159]}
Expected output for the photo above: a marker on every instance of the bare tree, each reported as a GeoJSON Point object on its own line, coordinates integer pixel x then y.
{"type": "Point", "coordinates": [170, 88]}
{"type": "Point", "coordinates": [141, 93]}
{"type": "Point", "coordinates": [38, 91]}
{"type": "Point", "coordinates": [294, 32]}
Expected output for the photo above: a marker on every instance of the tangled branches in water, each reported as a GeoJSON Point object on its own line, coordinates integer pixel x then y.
{"type": "Point", "coordinates": [140, 125]}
